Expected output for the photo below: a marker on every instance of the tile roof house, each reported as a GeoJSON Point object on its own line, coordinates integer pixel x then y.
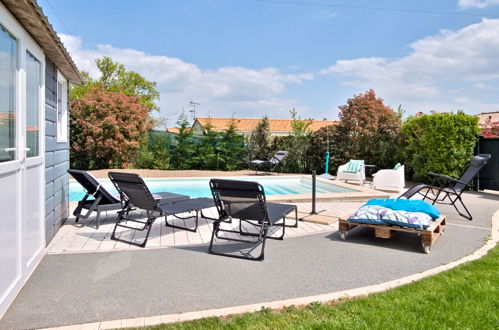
{"type": "Point", "coordinates": [278, 127]}
{"type": "Point", "coordinates": [34, 141]}
{"type": "Point", "coordinates": [488, 117]}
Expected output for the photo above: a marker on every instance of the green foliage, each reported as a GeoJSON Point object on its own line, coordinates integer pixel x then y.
{"type": "Point", "coordinates": [207, 151]}
{"type": "Point", "coordinates": [337, 138]}
{"type": "Point", "coordinates": [232, 149]}
{"type": "Point", "coordinates": [297, 144]}
{"type": "Point", "coordinates": [442, 143]}
{"type": "Point", "coordinates": [260, 140]}
{"type": "Point", "coordinates": [154, 152]}
{"type": "Point", "coordinates": [184, 151]}
{"type": "Point", "coordinates": [115, 78]}
{"type": "Point", "coordinates": [462, 298]}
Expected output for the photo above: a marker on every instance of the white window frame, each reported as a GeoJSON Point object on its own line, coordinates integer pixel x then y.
{"type": "Point", "coordinates": [62, 113]}
{"type": "Point", "coordinates": [24, 44]}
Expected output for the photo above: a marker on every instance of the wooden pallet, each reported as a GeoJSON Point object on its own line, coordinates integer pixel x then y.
{"type": "Point", "coordinates": [428, 235]}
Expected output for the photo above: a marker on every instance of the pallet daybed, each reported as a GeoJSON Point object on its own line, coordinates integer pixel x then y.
{"type": "Point", "coordinates": [428, 235]}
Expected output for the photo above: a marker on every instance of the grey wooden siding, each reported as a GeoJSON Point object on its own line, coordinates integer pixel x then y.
{"type": "Point", "coordinates": [56, 161]}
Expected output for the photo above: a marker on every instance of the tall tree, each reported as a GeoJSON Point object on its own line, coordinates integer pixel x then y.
{"type": "Point", "coordinates": [373, 129]}
{"type": "Point", "coordinates": [114, 77]}
{"type": "Point", "coordinates": [232, 148]}
{"type": "Point", "coordinates": [184, 150]}
{"type": "Point", "coordinates": [260, 140]}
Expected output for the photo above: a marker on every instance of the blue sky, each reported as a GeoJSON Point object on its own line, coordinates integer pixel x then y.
{"type": "Point", "coordinates": [251, 58]}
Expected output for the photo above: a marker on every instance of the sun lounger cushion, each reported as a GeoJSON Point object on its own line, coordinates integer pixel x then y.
{"type": "Point", "coordinates": [379, 215]}
{"type": "Point", "coordinates": [407, 205]}
{"type": "Point", "coordinates": [354, 166]}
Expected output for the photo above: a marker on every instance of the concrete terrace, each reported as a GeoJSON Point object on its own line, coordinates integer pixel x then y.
{"type": "Point", "coordinates": [106, 287]}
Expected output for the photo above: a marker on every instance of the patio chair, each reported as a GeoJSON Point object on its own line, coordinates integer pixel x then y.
{"type": "Point", "coordinates": [134, 191]}
{"type": "Point", "coordinates": [390, 178]}
{"type": "Point", "coordinates": [448, 190]}
{"type": "Point", "coordinates": [245, 200]}
{"type": "Point", "coordinates": [103, 199]}
{"type": "Point", "coordinates": [272, 164]}
{"type": "Point", "coordinates": [354, 170]}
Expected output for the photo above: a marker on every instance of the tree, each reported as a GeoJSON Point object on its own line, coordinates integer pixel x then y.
{"type": "Point", "coordinates": [115, 78]}
{"type": "Point", "coordinates": [297, 144]}
{"type": "Point", "coordinates": [106, 129]}
{"type": "Point", "coordinates": [184, 150]}
{"type": "Point", "coordinates": [260, 140]}
{"type": "Point", "coordinates": [373, 130]}
{"type": "Point", "coordinates": [231, 148]}
{"type": "Point", "coordinates": [207, 149]}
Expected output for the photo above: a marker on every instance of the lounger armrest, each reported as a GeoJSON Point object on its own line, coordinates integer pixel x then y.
{"type": "Point", "coordinates": [446, 179]}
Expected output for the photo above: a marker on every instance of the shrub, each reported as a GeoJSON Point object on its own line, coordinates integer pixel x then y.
{"type": "Point", "coordinates": [442, 143]}
{"type": "Point", "coordinates": [154, 152]}
{"type": "Point", "coordinates": [106, 129]}
{"type": "Point", "coordinates": [373, 130]}
{"type": "Point", "coordinates": [338, 148]}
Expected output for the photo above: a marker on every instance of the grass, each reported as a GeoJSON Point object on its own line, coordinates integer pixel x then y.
{"type": "Point", "coordinates": [466, 297]}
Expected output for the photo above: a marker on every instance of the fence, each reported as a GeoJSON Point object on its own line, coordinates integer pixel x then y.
{"type": "Point", "coordinates": [489, 176]}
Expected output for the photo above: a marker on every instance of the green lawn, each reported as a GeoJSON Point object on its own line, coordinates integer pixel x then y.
{"type": "Point", "coordinates": [466, 297]}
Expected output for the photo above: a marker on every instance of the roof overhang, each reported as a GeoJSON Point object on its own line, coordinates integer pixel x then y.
{"type": "Point", "coordinates": [30, 15]}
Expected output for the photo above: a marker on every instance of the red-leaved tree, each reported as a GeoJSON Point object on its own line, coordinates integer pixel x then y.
{"type": "Point", "coordinates": [106, 129]}
{"type": "Point", "coordinates": [372, 130]}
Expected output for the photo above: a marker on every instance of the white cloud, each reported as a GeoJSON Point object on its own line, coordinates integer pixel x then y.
{"type": "Point", "coordinates": [477, 3]}
{"type": "Point", "coordinates": [222, 92]}
{"type": "Point", "coordinates": [324, 14]}
{"type": "Point", "coordinates": [438, 65]}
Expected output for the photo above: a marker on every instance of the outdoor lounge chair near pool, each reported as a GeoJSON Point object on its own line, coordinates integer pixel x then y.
{"type": "Point", "coordinates": [245, 200]}
{"type": "Point", "coordinates": [273, 163]}
{"type": "Point", "coordinates": [354, 170]}
{"type": "Point", "coordinates": [134, 191]}
{"type": "Point", "coordinates": [448, 190]}
{"type": "Point", "coordinates": [103, 199]}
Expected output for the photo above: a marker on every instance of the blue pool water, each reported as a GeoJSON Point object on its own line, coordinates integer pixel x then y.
{"type": "Point", "coordinates": [200, 187]}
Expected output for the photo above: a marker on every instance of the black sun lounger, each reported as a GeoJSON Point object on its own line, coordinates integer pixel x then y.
{"type": "Point", "coordinates": [133, 190]}
{"type": "Point", "coordinates": [245, 200]}
{"type": "Point", "coordinates": [273, 163]}
{"type": "Point", "coordinates": [103, 199]}
{"type": "Point", "coordinates": [448, 190]}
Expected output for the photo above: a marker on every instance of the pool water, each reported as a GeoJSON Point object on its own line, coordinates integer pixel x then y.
{"type": "Point", "coordinates": [201, 188]}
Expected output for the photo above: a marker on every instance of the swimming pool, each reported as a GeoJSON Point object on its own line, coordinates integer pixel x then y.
{"type": "Point", "coordinates": [199, 187]}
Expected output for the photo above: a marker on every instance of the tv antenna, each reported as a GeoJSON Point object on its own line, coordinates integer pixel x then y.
{"type": "Point", "coordinates": [193, 111]}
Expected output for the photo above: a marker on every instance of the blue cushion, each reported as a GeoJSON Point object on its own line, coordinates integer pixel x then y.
{"type": "Point", "coordinates": [354, 166]}
{"type": "Point", "coordinates": [408, 205]}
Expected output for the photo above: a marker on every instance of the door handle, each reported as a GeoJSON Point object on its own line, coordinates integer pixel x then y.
{"type": "Point", "coordinates": [9, 149]}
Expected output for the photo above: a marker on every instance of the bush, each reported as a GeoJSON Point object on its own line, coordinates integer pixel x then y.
{"type": "Point", "coordinates": [338, 148]}
{"type": "Point", "coordinates": [442, 143]}
{"type": "Point", "coordinates": [106, 129]}
{"type": "Point", "coordinates": [154, 152]}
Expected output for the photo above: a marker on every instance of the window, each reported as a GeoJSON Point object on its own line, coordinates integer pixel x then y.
{"type": "Point", "coordinates": [33, 108]}
{"type": "Point", "coordinates": [8, 68]}
{"type": "Point", "coordinates": [62, 108]}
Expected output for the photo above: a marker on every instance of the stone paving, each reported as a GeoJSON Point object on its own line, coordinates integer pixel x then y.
{"type": "Point", "coordinates": [83, 237]}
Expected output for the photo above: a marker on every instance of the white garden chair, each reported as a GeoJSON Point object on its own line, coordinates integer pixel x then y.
{"type": "Point", "coordinates": [359, 176]}
{"type": "Point", "coordinates": [392, 179]}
